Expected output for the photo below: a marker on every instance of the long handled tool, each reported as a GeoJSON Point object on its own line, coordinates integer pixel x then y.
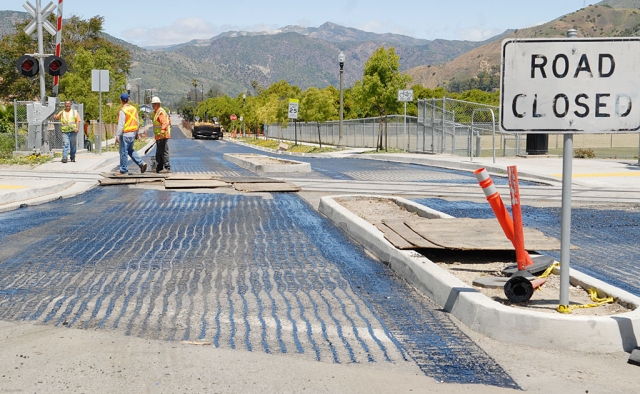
{"type": "Point", "coordinates": [149, 148]}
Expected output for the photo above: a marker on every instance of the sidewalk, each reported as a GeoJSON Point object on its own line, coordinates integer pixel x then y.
{"type": "Point", "coordinates": [21, 184]}
{"type": "Point", "coordinates": [594, 173]}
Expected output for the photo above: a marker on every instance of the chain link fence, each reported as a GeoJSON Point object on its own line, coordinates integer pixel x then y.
{"type": "Point", "coordinates": [448, 126]}
{"type": "Point", "coordinates": [52, 127]}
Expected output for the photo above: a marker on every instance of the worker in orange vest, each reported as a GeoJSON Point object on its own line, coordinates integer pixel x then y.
{"type": "Point", "coordinates": [162, 133]}
{"type": "Point", "coordinates": [127, 134]}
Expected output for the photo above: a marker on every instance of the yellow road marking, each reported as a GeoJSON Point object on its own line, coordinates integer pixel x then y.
{"type": "Point", "coordinates": [600, 175]}
{"type": "Point", "coordinates": [12, 187]}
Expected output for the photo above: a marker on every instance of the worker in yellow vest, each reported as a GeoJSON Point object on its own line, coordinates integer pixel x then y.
{"type": "Point", "coordinates": [162, 133]}
{"type": "Point", "coordinates": [127, 134]}
{"type": "Point", "coordinates": [69, 125]}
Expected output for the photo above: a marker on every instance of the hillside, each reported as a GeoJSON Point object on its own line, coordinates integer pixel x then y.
{"type": "Point", "coordinates": [604, 20]}
{"type": "Point", "coordinates": [308, 56]}
{"type": "Point", "coordinates": [302, 56]}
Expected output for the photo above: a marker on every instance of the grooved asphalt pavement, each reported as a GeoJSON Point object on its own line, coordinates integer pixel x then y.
{"type": "Point", "coordinates": [259, 273]}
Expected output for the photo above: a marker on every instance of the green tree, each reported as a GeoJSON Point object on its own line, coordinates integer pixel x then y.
{"type": "Point", "coordinates": [83, 48]}
{"type": "Point", "coordinates": [377, 93]}
{"type": "Point", "coordinates": [318, 106]}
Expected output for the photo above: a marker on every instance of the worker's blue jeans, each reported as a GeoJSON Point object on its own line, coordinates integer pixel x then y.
{"type": "Point", "coordinates": [69, 140]}
{"type": "Point", "coordinates": [126, 151]}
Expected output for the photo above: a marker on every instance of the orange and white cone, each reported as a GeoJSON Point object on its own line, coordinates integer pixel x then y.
{"type": "Point", "coordinates": [501, 212]}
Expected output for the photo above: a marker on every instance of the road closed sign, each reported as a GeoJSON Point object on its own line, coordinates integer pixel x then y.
{"type": "Point", "coordinates": [570, 85]}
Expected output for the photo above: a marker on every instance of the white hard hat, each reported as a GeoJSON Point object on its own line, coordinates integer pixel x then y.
{"type": "Point", "coordinates": [156, 100]}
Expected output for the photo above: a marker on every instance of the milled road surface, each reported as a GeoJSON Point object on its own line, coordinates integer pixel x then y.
{"type": "Point", "coordinates": [251, 275]}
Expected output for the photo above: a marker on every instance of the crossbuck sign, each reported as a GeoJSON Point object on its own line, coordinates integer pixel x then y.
{"type": "Point", "coordinates": [571, 85]}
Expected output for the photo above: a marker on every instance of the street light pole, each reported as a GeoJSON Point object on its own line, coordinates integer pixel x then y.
{"type": "Point", "coordinates": [244, 102]}
{"type": "Point", "coordinates": [341, 144]}
{"type": "Point", "coordinates": [195, 92]}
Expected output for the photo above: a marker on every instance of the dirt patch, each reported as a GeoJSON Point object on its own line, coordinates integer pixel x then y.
{"type": "Point", "coordinates": [469, 265]}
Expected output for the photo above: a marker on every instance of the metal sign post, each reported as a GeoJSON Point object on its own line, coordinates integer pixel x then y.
{"type": "Point", "coordinates": [293, 114]}
{"type": "Point", "coordinates": [405, 96]}
{"type": "Point", "coordinates": [570, 85]}
{"type": "Point", "coordinates": [37, 136]}
{"type": "Point", "coordinates": [99, 83]}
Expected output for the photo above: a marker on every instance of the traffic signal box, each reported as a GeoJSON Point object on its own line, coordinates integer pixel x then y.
{"type": "Point", "coordinates": [29, 66]}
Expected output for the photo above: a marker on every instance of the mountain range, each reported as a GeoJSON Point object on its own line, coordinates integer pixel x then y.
{"type": "Point", "coordinates": [307, 56]}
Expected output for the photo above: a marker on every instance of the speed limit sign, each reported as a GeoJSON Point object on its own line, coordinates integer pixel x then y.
{"type": "Point", "coordinates": [293, 108]}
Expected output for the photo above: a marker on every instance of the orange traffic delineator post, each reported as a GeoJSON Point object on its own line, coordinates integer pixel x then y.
{"type": "Point", "coordinates": [516, 211]}
{"type": "Point", "coordinates": [502, 214]}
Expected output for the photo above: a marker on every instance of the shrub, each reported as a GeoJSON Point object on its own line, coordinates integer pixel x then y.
{"type": "Point", "coordinates": [586, 153]}
{"type": "Point", "coordinates": [7, 145]}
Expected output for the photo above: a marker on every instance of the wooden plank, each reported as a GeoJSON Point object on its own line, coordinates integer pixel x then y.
{"type": "Point", "coordinates": [135, 175]}
{"type": "Point", "coordinates": [409, 235]}
{"type": "Point", "coordinates": [266, 187]}
{"type": "Point", "coordinates": [193, 183]}
{"type": "Point", "coordinates": [393, 237]}
{"type": "Point", "coordinates": [187, 177]}
{"type": "Point", "coordinates": [476, 234]}
{"type": "Point", "coordinates": [126, 181]}
{"type": "Point", "coordinates": [249, 179]}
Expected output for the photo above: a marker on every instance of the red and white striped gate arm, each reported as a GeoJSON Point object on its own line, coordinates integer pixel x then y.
{"type": "Point", "coordinates": [56, 79]}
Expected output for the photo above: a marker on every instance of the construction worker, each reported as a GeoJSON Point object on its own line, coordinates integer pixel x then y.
{"type": "Point", "coordinates": [127, 134]}
{"type": "Point", "coordinates": [69, 125]}
{"type": "Point", "coordinates": [162, 133]}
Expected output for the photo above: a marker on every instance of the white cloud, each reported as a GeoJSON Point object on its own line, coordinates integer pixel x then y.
{"type": "Point", "coordinates": [180, 31]}
{"type": "Point", "coordinates": [380, 27]}
{"type": "Point", "coordinates": [185, 30]}
{"type": "Point", "coordinates": [478, 33]}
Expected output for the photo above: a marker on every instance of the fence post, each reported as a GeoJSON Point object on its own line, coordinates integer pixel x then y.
{"type": "Point", "coordinates": [15, 121]}
{"type": "Point", "coordinates": [433, 125]}
{"type": "Point", "coordinates": [444, 119]}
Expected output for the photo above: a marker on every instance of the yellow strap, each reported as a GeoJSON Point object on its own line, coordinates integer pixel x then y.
{"type": "Point", "coordinates": [593, 294]}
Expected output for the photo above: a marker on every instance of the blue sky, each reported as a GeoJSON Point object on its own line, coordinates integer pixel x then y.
{"type": "Point", "coordinates": [164, 22]}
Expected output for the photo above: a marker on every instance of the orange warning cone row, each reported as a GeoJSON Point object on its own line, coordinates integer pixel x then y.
{"type": "Point", "coordinates": [502, 214]}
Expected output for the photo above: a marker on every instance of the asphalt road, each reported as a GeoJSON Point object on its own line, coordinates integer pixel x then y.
{"type": "Point", "coordinates": [260, 273]}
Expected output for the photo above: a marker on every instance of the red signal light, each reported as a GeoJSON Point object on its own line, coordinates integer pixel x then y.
{"type": "Point", "coordinates": [27, 66]}
{"type": "Point", "coordinates": [55, 66]}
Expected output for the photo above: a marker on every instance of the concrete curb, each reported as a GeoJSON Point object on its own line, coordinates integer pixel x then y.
{"type": "Point", "coordinates": [287, 166]}
{"type": "Point", "coordinates": [22, 195]}
{"type": "Point", "coordinates": [603, 334]}
{"type": "Point", "coordinates": [465, 166]}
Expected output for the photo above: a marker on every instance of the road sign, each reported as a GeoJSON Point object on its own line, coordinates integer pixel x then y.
{"type": "Point", "coordinates": [99, 80]}
{"type": "Point", "coordinates": [39, 17]}
{"type": "Point", "coordinates": [570, 85]}
{"type": "Point", "coordinates": [405, 95]}
{"type": "Point", "coordinates": [233, 118]}
{"type": "Point", "coordinates": [293, 108]}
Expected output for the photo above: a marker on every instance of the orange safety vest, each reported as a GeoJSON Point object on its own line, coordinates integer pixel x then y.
{"type": "Point", "coordinates": [130, 118]}
{"type": "Point", "coordinates": [157, 126]}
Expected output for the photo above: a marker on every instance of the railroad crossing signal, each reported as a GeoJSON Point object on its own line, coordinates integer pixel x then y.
{"type": "Point", "coordinates": [28, 66]}
{"type": "Point", "coordinates": [55, 66]}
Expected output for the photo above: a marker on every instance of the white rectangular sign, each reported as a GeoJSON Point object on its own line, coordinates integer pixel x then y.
{"type": "Point", "coordinates": [570, 85]}
{"type": "Point", "coordinates": [405, 95]}
{"type": "Point", "coordinates": [99, 80]}
{"type": "Point", "coordinates": [293, 108]}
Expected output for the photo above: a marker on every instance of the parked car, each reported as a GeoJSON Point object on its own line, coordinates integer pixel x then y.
{"type": "Point", "coordinates": [211, 129]}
